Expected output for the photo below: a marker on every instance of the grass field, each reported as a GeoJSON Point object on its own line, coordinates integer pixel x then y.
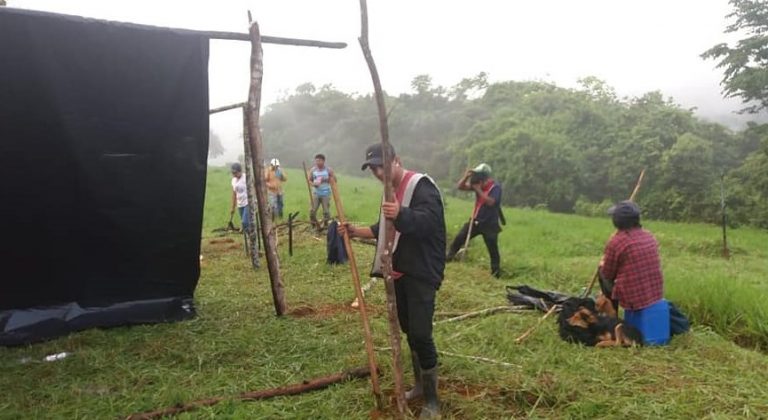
{"type": "Point", "coordinates": [236, 343]}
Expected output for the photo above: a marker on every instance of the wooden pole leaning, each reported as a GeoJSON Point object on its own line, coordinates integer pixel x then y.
{"type": "Point", "coordinates": [596, 276]}
{"type": "Point", "coordinates": [389, 228]}
{"type": "Point", "coordinates": [254, 134]}
{"type": "Point", "coordinates": [309, 190]}
{"type": "Point", "coordinates": [360, 298]}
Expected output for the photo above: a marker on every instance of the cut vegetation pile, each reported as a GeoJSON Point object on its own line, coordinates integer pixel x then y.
{"type": "Point", "coordinates": [237, 344]}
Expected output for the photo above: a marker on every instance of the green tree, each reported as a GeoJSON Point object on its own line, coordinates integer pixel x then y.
{"type": "Point", "coordinates": [745, 65]}
{"type": "Point", "coordinates": [215, 147]}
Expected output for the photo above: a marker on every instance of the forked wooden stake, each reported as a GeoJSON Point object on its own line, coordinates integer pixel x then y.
{"type": "Point", "coordinates": [389, 237]}
{"type": "Point", "coordinates": [360, 298]}
{"type": "Point", "coordinates": [254, 133]}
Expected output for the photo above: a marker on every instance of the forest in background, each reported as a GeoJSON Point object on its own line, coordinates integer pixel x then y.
{"type": "Point", "coordinates": [570, 150]}
{"type": "Point", "coordinates": [567, 150]}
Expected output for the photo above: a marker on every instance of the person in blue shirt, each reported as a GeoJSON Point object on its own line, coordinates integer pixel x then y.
{"type": "Point", "coordinates": [486, 215]}
{"type": "Point", "coordinates": [319, 177]}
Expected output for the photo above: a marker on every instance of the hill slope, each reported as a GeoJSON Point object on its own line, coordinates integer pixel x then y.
{"type": "Point", "coordinates": [237, 344]}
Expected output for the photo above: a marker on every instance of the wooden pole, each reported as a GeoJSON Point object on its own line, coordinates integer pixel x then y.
{"type": "Point", "coordinates": [637, 185]}
{"type": "Point", "coordinates": [291, 218]}
{"type": "Point", "coordinates": [726, 251]}
{"type": "Point", "coordinates": [305, 386]}
{"type": "Point", "coordinates": [254, 134]}
{"type": "Point", "coordinates": [359, 293]}
{"type": "Point", "coordinates": [309, 190]}
{"type": "Point", "coordinates": [251, 238]}
{"type": "Point", "coordinates": [394, 328]}
{"type": "Point", "coordinates": [226, 108]}
{"type": "Point", "coordinates": [266, 39]}
{"type": "Point", "coordinates": [596, 276]}
{"type": "Point", "coordinates": [462, 253]}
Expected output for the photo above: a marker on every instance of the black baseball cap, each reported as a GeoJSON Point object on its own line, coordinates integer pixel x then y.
{"type": "Point", "coordinates": [374, 155]}
{"type": "Point", "coordinates": [624, 210]}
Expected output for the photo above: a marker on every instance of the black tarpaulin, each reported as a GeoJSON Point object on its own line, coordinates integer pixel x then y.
{"type": "Point", "coordinates": [103, 146]}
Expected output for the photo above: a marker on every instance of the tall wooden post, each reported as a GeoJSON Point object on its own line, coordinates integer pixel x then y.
{"type": "Point", "coordinates": [254, 137]}
{"type": "Point", "coordinates": [389, 237]}
{"type": "Point", "coordinates": [726, 251]}
{"type": "Point", "coordinates": [251, 236]}
{"type": "Point", "coordinates": [360, 298]}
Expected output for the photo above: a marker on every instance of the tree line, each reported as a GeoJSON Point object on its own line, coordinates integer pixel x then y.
{"type": "Point", "coordinates": [563, 149]}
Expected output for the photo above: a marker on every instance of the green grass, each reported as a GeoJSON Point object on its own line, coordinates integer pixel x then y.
{"type": "Point", "coordinates": [237, 344]}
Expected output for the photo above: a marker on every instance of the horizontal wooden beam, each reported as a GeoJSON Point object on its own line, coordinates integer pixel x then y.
{"type": "Point", "coordinates": [208, 34]}
{"type": "Point", "coordinates": [237, 36]}
{"type": "Point", "coordinates": [226, 108]}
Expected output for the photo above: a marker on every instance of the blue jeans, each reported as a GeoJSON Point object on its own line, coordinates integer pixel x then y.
{"type": "Point", "coordinates": [280, 206]}
{"type": "Point", "coordinates": [245, 216]}
{"type": "Point", "coordinates": [276, 203]}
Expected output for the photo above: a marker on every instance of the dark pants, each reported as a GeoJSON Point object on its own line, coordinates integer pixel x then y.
{"type": "Point", "coordinates": [415, 307]}
{"type": "Point", "coordinates": [316, 203]}
{"type": "Point", "coordinates": [491, 240]}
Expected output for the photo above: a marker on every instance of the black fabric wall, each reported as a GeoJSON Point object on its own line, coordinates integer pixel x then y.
{"type": "Point", "coordinates": [103, 145]}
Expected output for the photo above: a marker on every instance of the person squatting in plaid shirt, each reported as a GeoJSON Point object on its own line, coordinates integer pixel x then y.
{"type": "Point", "coordinates": [630, 270]}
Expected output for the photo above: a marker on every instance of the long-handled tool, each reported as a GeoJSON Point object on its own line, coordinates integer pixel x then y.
{"type": "Point", "coordinates": [230, 225]}
{"type": "Point", "coordinates": [596, 276]}
{"type": "Point", "coordinates": [359, 294]}
{"type": "Point", "coordinates": [309, 190]}
{"type": "Point", "coordinates": [461, 253]}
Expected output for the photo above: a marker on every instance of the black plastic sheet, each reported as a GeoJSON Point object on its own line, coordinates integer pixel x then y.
{"type": "Point", "coordinates": [103, 147]}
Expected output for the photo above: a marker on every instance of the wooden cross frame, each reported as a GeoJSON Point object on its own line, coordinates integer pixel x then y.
{"type": "Point", "coordinates": [257, 190]}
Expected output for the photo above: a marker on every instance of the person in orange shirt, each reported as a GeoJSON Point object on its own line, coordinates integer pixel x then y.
{"type": "Point", "coordinates": [274, 177]}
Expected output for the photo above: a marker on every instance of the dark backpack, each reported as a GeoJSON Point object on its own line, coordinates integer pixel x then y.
{"type": "Point", "coordinates": [337, 254]}
{"type": "Point", "coordinates": [678, 323]}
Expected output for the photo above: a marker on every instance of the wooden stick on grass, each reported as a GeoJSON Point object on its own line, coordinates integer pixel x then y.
{"type": "Point", "coordinates": [360, 298]}
{"type": "Point", "coordinates": [478, 358]}
{"type": "Point", "coordinates": [489, 311]}
{"type": "Point", "coordinates": [389, 237]}
{"type": "Point", "coordinates": [304, 386]}
{"type": "Point", "coordinates": [530, 331]}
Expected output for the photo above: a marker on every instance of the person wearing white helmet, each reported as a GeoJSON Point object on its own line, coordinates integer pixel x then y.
{"type": "Point", "coordinates": [274, 177]}
{"type": "Point", "coordinates": [486, 214]}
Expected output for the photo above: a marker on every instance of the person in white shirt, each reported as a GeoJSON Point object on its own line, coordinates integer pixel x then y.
{"type": "Point", "coordinates": [240, 196]}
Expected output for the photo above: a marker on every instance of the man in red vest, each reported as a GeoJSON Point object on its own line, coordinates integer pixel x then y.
{"type": "Point", "coordinates": [418, 262]}
{"type": "Point", "coordinates": [485, 216]}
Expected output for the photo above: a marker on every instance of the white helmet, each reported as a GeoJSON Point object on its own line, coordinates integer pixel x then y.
{"type": "Point", "coordinates": [274, 162]}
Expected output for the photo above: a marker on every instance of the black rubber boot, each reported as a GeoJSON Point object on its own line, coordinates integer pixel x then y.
{"type": "Point", "coordinates": [417, 390]}
{"type": "Point", "coordinates": [431, 408]}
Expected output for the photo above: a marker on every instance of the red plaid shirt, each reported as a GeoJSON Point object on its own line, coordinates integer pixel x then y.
{"type": "Point", "coordinates": [632, 261]}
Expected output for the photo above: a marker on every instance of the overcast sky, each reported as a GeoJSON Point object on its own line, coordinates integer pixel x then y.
{"type": "Point", "coordinates": [635, 46]}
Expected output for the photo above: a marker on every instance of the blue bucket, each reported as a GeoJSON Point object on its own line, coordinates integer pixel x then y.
{"type": "Point", "coordinates": [652, 321]}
